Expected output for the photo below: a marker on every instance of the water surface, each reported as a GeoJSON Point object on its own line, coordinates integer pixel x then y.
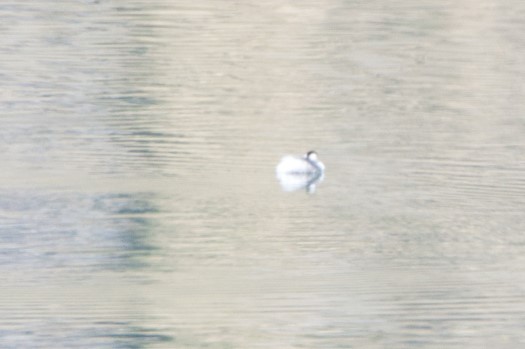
{"type": "Point", "coordinates": [138, 201]}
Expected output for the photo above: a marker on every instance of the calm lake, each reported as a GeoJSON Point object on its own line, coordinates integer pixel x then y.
{"type": "Point", "coordinates": [139, 206]}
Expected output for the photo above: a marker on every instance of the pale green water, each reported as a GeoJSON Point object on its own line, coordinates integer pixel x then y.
{"type": "Point", "coordinates": [139, 206]}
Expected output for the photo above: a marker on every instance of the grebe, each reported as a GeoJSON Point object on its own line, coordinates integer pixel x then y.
{"type": "Point", "coordinates": [300, 172]}
{"type": "Point", "coordinates": [308, 164]}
